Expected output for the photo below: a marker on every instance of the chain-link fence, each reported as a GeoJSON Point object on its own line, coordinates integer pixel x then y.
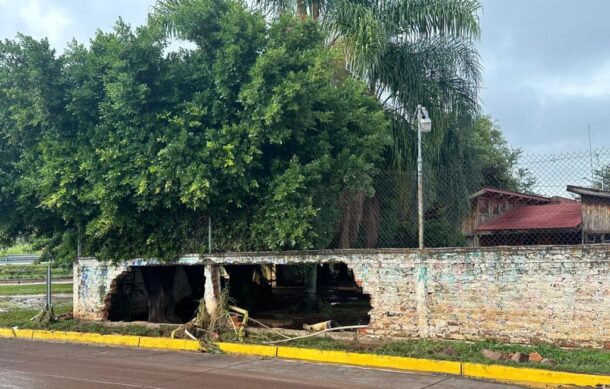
{"type": "Point", "coordinates": [552, 199]}
{"type": "Point", "coordinates": [540, 199]}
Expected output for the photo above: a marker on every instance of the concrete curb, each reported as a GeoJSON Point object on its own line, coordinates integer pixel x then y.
{"type": "Point", "coordinates": [465, 369]}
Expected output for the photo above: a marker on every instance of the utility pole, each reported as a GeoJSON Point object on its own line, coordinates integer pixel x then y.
{"type": "Point", "coordinates": [48, 304]}
{"type": "Point", "coordinates": [420, 190]}
{"type": "Point", "coordinates": [591, 156]}
{"type": "Point", "coordinates": [424, 124]}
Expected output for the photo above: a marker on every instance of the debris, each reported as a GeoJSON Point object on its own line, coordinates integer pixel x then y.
{"type": "Point", "coordinates": [190, 335]}
{"type": "Point", "coordinates": [535, 357]}
{"type": "Point", "coordinates": [318, 333]}
{"type": "Point", "coordinates": [546, 361]}
{"type": "Point", "coordinates": [274, 323]}
{"type": "Point", "coordinates": [241, 329]}
{"type": "Point", "coordinates": [65, 316]}
{"type": "Point", "coordinates": [318, 326]}
{"type": "Point", "coordinates": [495, 355]}
{"type": "Point", "coordinates": [519, 357]}
{"type": "Point", "coordinates": [45, 317]}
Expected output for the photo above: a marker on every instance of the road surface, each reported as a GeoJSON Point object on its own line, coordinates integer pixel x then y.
{"type": "Point", "coordinates": [33, 364]}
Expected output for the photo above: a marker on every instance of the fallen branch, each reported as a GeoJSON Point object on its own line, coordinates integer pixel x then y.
{"type": "Point", "coordinates": [182, 327]}
{"type": "Point", "coordinates": [242, 329]}
{"type": "Point", "coordinates": [190, 335]}
{"type": "Point", "coordinates": [265, 326]}
{"type": "Point", "coordinates": [318, 333]}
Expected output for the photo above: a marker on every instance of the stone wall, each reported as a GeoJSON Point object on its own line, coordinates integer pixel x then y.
{"type": "Point", "coordinates": [557, 295]}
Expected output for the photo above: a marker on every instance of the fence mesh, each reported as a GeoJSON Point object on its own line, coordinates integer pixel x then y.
{"type": "Point", "coordinates": [552, 199]}
{"type": "Point", "coordinates": [545, 199]}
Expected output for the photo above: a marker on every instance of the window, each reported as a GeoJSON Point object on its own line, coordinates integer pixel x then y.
{"type": "Point", "coordinates": [594, 238]}
{"type": "Point", "coordinates": [484, 207]}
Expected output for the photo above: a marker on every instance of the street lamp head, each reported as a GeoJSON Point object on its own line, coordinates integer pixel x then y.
{"type": "Point", "coordinates": [423, 119]}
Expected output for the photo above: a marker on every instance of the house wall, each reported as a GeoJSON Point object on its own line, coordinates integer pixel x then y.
{"type": "Point", "coordinates": [558, 295]}
{"type": "Point", "coordinates": [595, 214]}
{"type": "Point", "coordinates": [487, 207]}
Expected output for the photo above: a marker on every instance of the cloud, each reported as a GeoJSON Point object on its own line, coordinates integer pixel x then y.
{"type": "Point", "coordinates": [547, 72]}
{"type": "Point", "coordinates": [38, 18]}
{"type": "Point", "coordinates": [585, 85]}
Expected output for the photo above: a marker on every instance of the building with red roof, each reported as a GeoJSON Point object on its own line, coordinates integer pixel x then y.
{"type": "Point", "coordinates": [501, 217]}
{"type": "Point", "coordinates": [595, 205]}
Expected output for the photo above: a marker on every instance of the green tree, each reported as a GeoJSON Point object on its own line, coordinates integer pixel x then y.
{"type": "Point", "coordinates": [497, 161]}
{"type": "Point", "coordinates": [601, 178]}
{"type": "Point", "coordinates": [409, 52]}
{"type": "Point", "coordinates": [137, 147]}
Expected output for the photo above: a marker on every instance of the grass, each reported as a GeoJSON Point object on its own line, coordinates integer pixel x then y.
{"type": "Point", "coordinates": [31, 272]}
{"type": "Point", "coordinates": [21, 248]}
{"type": "Point", "coordinates": [583, 360]}
{"type": "Point", "coordinates": [12, 290]}
{"type": "Point", "coordinates": [21, 318]}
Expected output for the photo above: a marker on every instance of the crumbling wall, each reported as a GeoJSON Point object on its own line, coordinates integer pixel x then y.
{"type": "Point", "coordinates": [558, 295]}
{"type": "Point", "coordinates": [93, 283]}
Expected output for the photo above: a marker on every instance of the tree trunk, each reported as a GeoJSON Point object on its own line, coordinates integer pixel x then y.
{"type": "Point", "coordinates": [159, 282]}
{"type": "Point", "coordinates": [301, 9]}
{"type": "Point", "coordinates": [310, 297]}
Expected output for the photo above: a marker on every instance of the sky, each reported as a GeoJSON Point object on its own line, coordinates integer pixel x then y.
{"type": "Point", "coordinates": [546, 62]}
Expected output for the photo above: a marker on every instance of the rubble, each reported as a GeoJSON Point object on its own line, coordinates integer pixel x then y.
{"type": "Point", "coordinates": [519, 357]}
{"type": "Point", "coordinates": [495, 355]}
{"type": "Point", "coordinates": [535, 357]}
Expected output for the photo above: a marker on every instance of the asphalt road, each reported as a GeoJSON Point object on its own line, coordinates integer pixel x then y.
{"type": "Point", "coordinates": [32, 364]}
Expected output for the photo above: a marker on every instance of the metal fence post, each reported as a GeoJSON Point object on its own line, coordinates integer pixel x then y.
{"type": "Point", "coordinates": [209, 234]}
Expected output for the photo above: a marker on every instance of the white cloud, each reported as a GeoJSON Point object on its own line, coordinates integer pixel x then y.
{"type": "Point", "coordinates": [39, 18]}
{"type": "Point", "coordinates": [589, 85]}
{"type": "Point", "coordinates": [44, 20]}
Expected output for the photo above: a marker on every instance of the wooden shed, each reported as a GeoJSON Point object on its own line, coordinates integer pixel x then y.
{"type": "Point", "coordinates": [488, 204]}
{"type": "Point", "coordinates": [595, 204]}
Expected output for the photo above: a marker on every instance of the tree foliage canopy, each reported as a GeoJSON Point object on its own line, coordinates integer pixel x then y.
{"type": "Point", "coordinates": [285, 131]}
{"type": "Point", "coordinates": [132, 147]}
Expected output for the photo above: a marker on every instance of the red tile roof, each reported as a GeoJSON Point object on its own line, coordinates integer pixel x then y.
{"type": "Point", "coordinates": [565, 214]}
{"type": "Point", "coordinates": [510, 193]}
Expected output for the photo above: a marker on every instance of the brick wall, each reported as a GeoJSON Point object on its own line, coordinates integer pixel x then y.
{"type": "Point", "coordinates": [557, 295]}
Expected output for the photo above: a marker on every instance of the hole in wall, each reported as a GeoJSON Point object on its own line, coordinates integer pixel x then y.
{"type": "Point", "coordinates": [275, 294]}
{"type": "Point", "coordinates": [157, 294]}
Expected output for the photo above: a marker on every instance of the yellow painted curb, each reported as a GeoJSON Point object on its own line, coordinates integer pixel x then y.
{"type": "Point", "coordinates": [518, 374]}
{"type": "Point", "coordinates": [168, 344]}
{"type": "Point", "coordinates": [84, 337]}
{"type": "Point", "coordinates": [23, 334]}
{"type": "Point", "coordinates": [371, 360]}
{"type": "Point", "coordinates": [248, 349]}
{"type": "Point", "coordinates": [109, 340]}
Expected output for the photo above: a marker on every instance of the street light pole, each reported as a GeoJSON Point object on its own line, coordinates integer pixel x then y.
{"type": "Point", "coordinates": [424, 124]}
{"type": "Point", "coordinates": [420, 188]}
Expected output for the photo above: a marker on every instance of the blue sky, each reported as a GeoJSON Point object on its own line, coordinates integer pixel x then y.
{"type": "Point", "coordinates": [547, 63]}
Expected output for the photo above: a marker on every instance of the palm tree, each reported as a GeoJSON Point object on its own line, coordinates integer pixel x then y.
{"type": "Point", "coordinates": [409, 52]}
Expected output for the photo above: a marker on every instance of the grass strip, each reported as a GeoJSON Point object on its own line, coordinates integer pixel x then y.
{"type": "Point", "coordinates": [31, 272]}
{"type": "Point", "coordinates": [21, 318]}
{"type": "Point", "coordinates": [13, 290]}
{"type": "Point", "coordinates": [581, 360]}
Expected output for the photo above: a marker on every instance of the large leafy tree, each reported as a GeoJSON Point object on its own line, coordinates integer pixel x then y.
{"type": "Point", "coordinates": [408, 52]}
{"type": "Point", "coordinates": [129, 148]}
